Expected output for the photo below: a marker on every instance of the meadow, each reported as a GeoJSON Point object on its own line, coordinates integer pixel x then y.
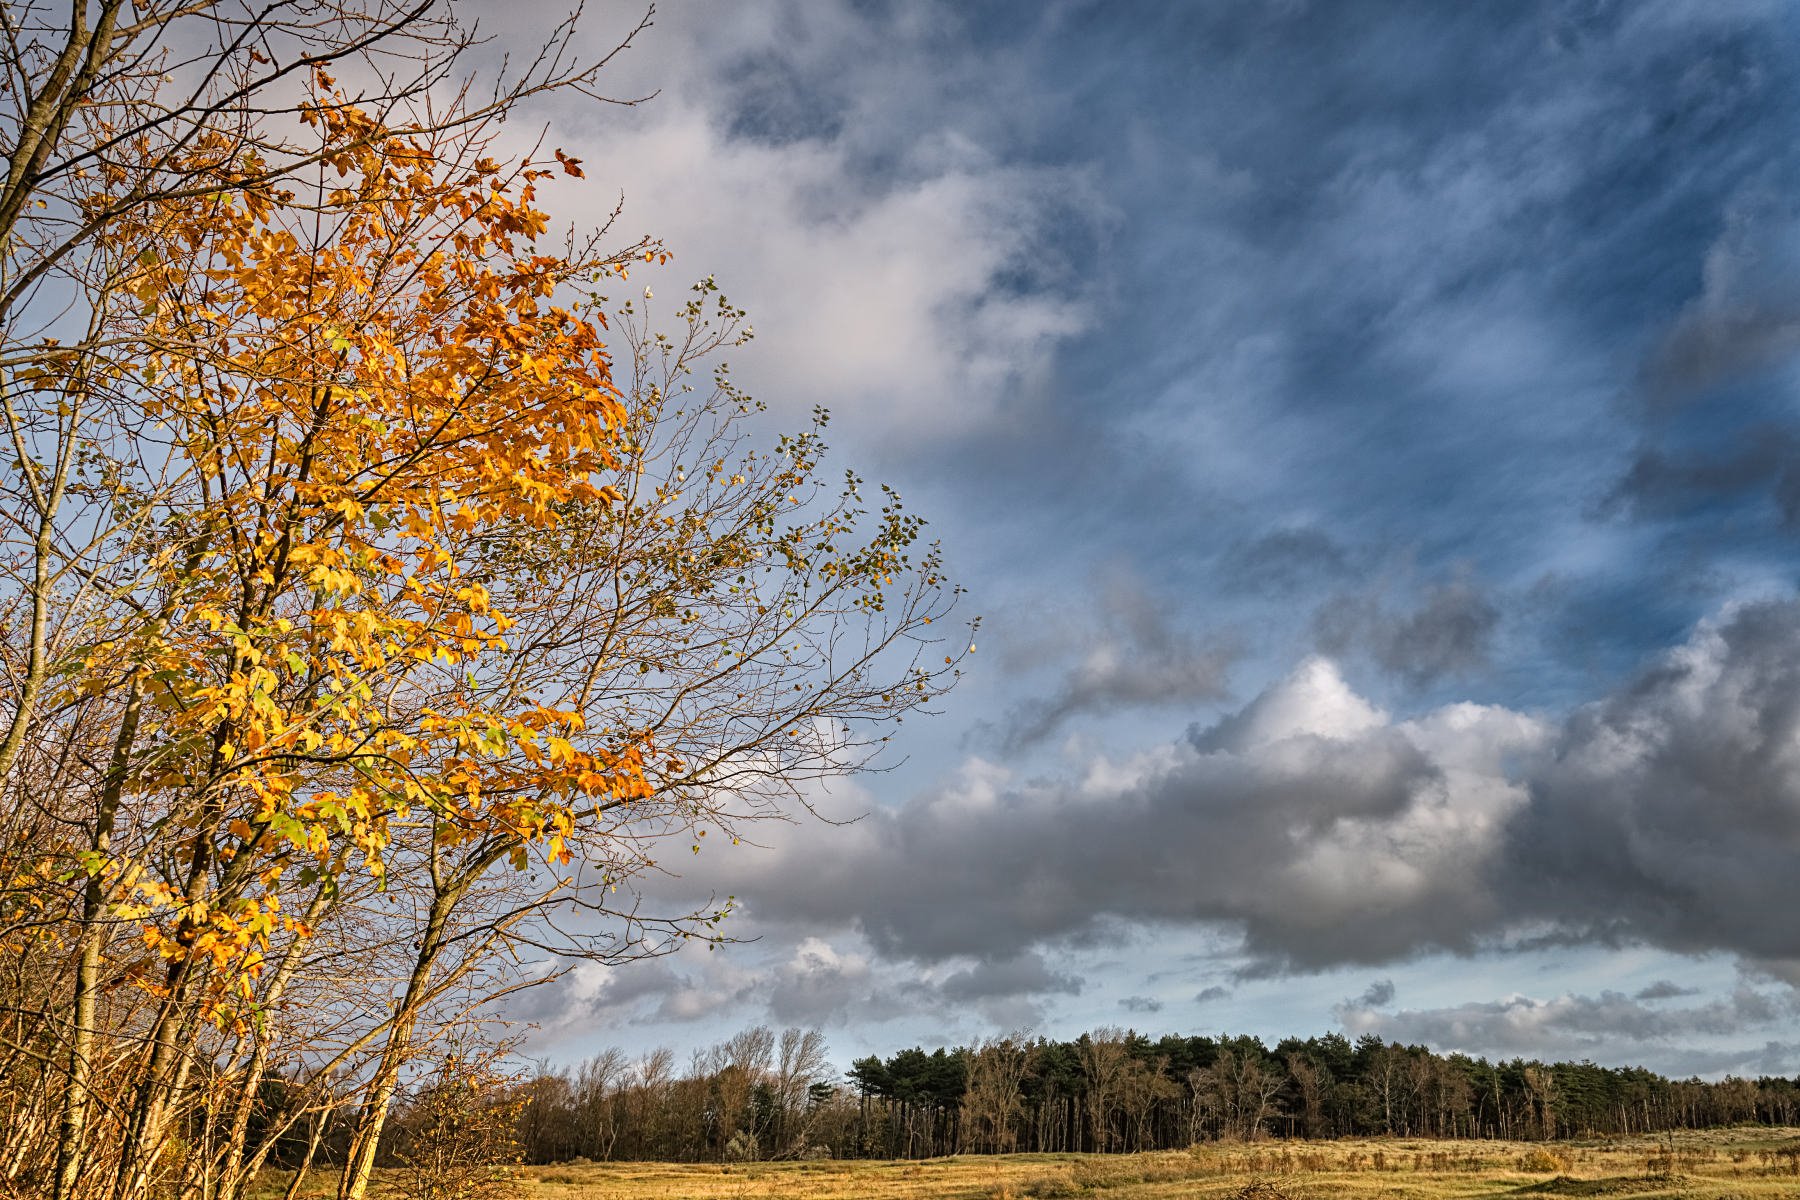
{"type": "Point", "coordinates": [1743, 1163]}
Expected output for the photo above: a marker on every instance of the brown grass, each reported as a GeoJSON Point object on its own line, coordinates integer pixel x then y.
{"type": "Point", "coordinates": [1732, 1164]}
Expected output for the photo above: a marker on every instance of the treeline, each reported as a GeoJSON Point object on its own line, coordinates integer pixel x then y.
{"type": "Point", "coordinates": [765, 1096]}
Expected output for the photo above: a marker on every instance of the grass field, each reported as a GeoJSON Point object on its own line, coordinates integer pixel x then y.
{"type": "Point", "coordinates": [1741, 1164]}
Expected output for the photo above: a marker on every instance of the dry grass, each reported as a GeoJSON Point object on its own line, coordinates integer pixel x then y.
{"type": "Point", "coordinates": [1730, 1164]}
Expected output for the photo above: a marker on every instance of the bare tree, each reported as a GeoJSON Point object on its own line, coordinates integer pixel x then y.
{"type": "Point", "coordinates": [458, 1133]}
{"type": "Point", "coordinates": [1103, 1056]}
{"type": "Point", "coordinates": [1241, 1089]}
{"type": "Point", "coordinates": [1311, 1083]}
{"type": "Point", "coordinates": [800, 1065]}
{"type": "Point", "coordinates": [997, 1071]}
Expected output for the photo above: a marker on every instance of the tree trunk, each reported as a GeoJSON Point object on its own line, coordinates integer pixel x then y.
{"type": "Point", "coordinates": [71, 1140]}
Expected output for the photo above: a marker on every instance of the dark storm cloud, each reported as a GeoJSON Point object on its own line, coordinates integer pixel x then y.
{"type": "Point", "coordinates": [1447, 634]}
{"type": "Point", "coordinates": [1021, 975]}
{"type": "Point", "coordinates": [1327, 831]}
{"type": "Point", "coordinates": [1706, 349]}
{"type": "Point", "coordinates": [1675, 803]}
{"type": "Point", "coordinates": [1662, 484]}
{"type": "Point", "coordinates": [1668, 814]}
{"type": "Point", "coordinates": [1746, 317]}
{"type": "Point", "coordinates": [1379, 995]}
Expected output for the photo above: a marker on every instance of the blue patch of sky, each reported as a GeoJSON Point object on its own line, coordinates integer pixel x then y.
{"type": "Point", "coordinates": [1396, 273]}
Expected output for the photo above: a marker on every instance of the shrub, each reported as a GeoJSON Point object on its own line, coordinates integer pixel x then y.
{"type": "Point", "coordinates": [1541, 1160]}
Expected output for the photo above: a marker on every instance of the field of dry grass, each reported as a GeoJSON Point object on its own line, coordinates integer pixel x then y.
{"type": "Point", "coordinates": [1731, 1164]}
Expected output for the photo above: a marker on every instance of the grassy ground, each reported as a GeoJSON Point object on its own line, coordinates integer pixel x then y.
{"type": "Point", "coordinates": [1731, 1164]}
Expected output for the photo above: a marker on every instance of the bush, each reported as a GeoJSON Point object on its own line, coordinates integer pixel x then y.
{"type": "Point", "coordinates": [1541, 1160]}
{"type": "Point", "coordinates": [1259, 1189]}
{"type": "Point", "coordinates": [456, 1137]}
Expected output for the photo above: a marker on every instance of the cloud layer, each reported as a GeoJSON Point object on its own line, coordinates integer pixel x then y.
{"type": "Point", "coordinates": [1571, 1027]}
{"type": "Point", "coordinates": [1332, 833]}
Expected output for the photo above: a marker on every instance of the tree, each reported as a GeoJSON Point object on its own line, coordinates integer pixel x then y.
{"type": "Point", "coordinates": [1311, 1083]}
{"type": "Point", "coordinates": [1543, 1094]}
{"type": "Point", "coordinates": [457, 1131]}
{"type": "Point", "coordinates": [801, 1069]}
{"type": "Point", "coordinates": [1240, 1088]}
{"type": "Point", "coordinates": [993, 1102]}
{"type": "Point", "coordinates": [1144, 1086]}
{"type": "Point", "coordinates": [358, 613]}
{"type": "Point", "coordinates": [1103, 1054]}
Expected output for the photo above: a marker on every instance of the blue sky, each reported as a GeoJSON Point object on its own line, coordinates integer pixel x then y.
{"type": "Point", "coordinates": [1368, 431]}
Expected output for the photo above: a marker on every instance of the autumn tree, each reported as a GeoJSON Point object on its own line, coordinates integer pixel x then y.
{"type": "Point", "coordinates": [364, 626]}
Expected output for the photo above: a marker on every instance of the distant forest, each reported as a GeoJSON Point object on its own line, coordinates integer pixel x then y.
{"type": "Point", "coordinates": [762, 1095]}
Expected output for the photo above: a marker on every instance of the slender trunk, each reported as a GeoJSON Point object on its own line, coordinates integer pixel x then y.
{"type": "Point", "coordinates": [166, 1071]}
{"type": "Point", "coordinates": [354, 1183]}
{"type": "Point", "coordinates": [71, 1141]}
{"type": "Point", "coordinates": [233, 1175]}
{"type": "Point", "coordinates": [46, 116]}
{"type": "Point", "coordinates": [315, 1135]}
{"type": "Point", "coordinates": [144, 1130]}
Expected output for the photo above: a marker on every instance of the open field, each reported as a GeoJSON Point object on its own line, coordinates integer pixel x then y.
{"type": "Point", "coordinates": [1740, 1164]}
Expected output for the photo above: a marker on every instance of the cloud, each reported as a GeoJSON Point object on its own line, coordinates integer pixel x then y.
{"type": "Point", "coordinates": [1747, 315]}
{"type": "Point", "coordinates": [1609, 1027]}
{"type": "Point", "coordinates": [589, 990]}
{"type": "Point", "coordinates": [817, 982]}
{"type": "Point", "coordinates": [1709, 346]}
{"type": "Point", "coordinates": [1135, 659]}
{"type": "Point", "coordinates": [1663, 989]}
{"type": "Point", "coordinates": [1023, 974]}
{"type": "Point", "coordinates": [1378, 995]}
{"type": "Point", "coordinates": [1674, 805]}
{"type": "Point", "coordinates": [591, 995]}
{"type": "Point", "coordinates": [822, 985]}
{"type": "Point", "coordinates": [1447, 634]}
{"type": "Point", "coordinates": [1208, 994]}
{"type": "Point", "coordinates": [1663, 483]}
{"type": "Point", "coordinates": [1330, 833]}
{"type": "Point", "coordinates": [1141, 1004]}
{"type": "Point", "coordinates": [896, 267]}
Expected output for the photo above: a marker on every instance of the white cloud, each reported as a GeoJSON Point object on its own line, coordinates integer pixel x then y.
{"type": "Point", "coordinates": [894, 270]}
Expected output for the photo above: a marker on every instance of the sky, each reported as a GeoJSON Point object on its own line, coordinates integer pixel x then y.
{"type": "Point", "coordinates": [1369, 435]}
